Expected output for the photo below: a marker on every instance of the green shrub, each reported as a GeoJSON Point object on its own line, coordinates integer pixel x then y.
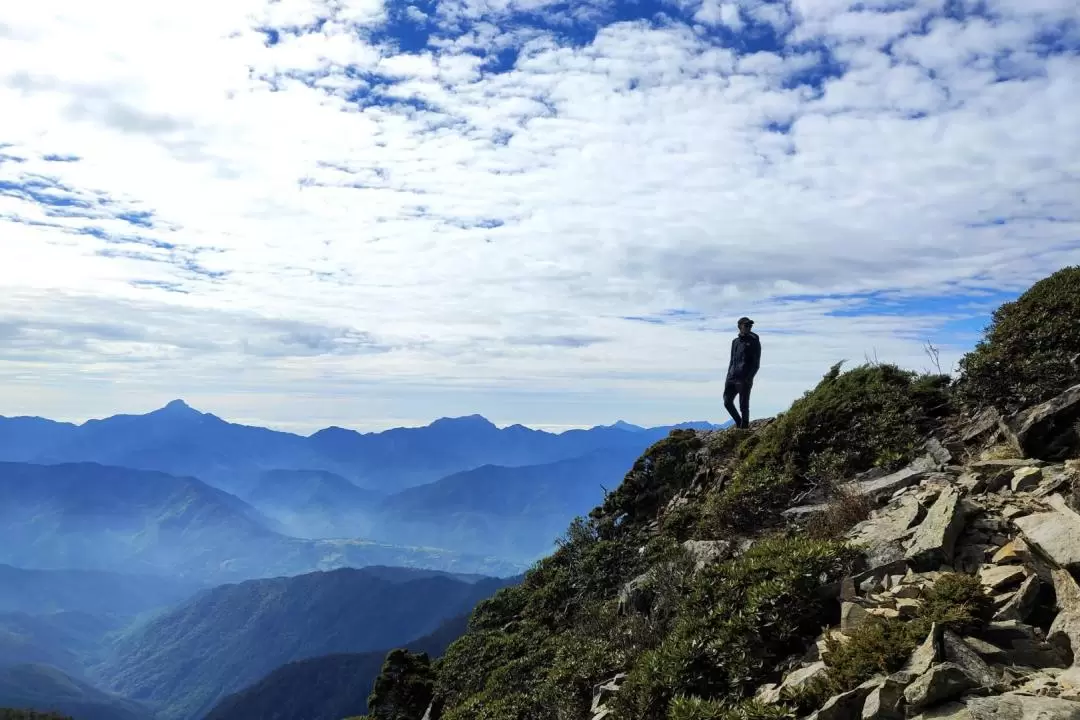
{"type": "Point", "coordinates": [737, 620]}
{"type": "Point", "coordinates": [404, 687]}
{"type": "Point", "coordinates": [956, 602]}
{"type": "Point", "coordinates": [692, 708]}
{"type": "Point", "coordinates": [664, 469]}
{"type": "Point", "coordinates": [871, 416]}
{"type": "Point", "coordinates": [1024, 356]}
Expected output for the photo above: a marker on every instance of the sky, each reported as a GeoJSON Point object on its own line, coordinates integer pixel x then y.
{"type": "Point", "coordinates": [369, 213]}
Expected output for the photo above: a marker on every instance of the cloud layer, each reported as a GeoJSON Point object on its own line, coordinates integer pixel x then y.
{"type": "Point", "coordinates": [300, 212]}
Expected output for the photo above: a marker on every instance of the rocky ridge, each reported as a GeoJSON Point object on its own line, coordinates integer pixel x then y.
{"type": "Point", "coordinates": [995, 499]}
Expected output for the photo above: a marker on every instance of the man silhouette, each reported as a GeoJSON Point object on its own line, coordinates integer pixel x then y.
{"type": "Point", "coordinates": [745, 360]}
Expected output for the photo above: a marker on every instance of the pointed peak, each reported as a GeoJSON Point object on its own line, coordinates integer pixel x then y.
{"type": "Point", "coordinates": [178, 407]}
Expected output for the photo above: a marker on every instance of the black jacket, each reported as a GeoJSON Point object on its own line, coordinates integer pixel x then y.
{"type": "Point", "coordinates": [745, 357]}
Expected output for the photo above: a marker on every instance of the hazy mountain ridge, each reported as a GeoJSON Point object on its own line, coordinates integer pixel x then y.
{"type": "Point", "coordinates": [180, 440]}
{"type": "Point", "coordinates": [91, 516]}
{"type": "Point", "coordinates": [184, 661]}
{"type": "Point", "coordinates": [41, 687]}
{"type": "Point", "coordinates": [331, 687]}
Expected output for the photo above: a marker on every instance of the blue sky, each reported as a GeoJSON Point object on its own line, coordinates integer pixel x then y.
{"type": "Point", "coordinates": [369, 213]}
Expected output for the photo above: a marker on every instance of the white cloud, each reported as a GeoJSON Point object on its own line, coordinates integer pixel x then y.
{"type": "Point", "coordinates": [452, 240]}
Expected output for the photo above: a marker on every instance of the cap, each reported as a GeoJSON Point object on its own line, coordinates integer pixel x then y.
{"type": "Point", "coordinates": [745, 321]}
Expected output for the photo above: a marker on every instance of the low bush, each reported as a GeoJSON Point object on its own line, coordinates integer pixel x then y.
{"type": "Point", "coordinates": [1026, 352]}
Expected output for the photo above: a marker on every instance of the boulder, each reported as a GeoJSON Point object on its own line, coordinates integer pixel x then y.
{"type": "Point", "coordinates": [845, 706]}
{"type": "Point", "coordinates": [1047, 430]}
{"type": "Point", "coordinates": [852, 616]}
{"type": "Point", "coordinates": [636, 596]}
{"type": "Point", "coordinates": [795, 680]}
{"type": "Point", "coordinates": [998, 577]}
{"type": "Point", "coordinates": [877, 489]}
{"type": "Point", "coordinates": [983, 426]}
{"type": "Point", "coordinates": [1025, 479]}
{"type": "Point", "coordinates": [885, 701]}
{"type": "Point", "coordinates": [944, 681]}
{"type": "Point", "coordinates": [1056, 534]}
{"type": "Point", "coordinates": [1015, 551]}
{"type": "Point", "coordinates": [881, 535]}
{"type": "Point", "coordinates": [948, 711]}
{"type": "Point", "coordinates": [1012, 706]}
{"type": "Point", "coordinates": [958, 652]}
{"type": "Point", "coordinates": [927, 654]}
{"type": "Point", "coordinates": [707, 552]}
{"type": "Point", "coordinates": [1022, 644]}
{"type": "Point", "coordinates": [1021, 604]}
{"type": "Point", "coordinates": [933, 542]}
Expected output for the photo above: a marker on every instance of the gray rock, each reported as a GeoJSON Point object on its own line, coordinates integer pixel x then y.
{"type": "Point", "coordinates": [938, 453]}
{"type": "Point", "coordinates": [944, 681]}
{"type": "Point", "coordinates": [881, 535]}
{"type": "Point", "coordinates": [1021, 604]}
{"type": "Point", "coordinates": [1011, 706]}
{"type": "Point", "coordinates": [984, 426]}
{"type": "Point", "coordinates": [1056, 533]}
{"type": "Point", "coordinates": [948, 711]}
{"type": "Point", "coordinates": [636, 596]}
{"type": "Point", "coordinates": [845, 706]}
{"type": "Point", "coordinates": [1022, 645]}
{"type": "Point", "coordinates": [852, 616]}
{"type": "Point", "coordinates": [987, 651]}
{"type": "Point", "coordinates": [1046, 430]}
{"type": "Point", "coordinates": [879, 488]}
{"type": "Point", "coordinates": [997, 577]}
{"type": "Point", "coordinates": [885, 701]}
{"type": "Point", "coordinates": [958, 652]}
{"type": "Point", "coordinates": [707, 552]}
{"type": "Point", "coordinates": [927, 654]}
{"type": "Point", "coordinates": [798, 679]}
{"type": "Point", "coordinates": [934, 540]}
{"type": "Point", "coordinates": [1026, 478]}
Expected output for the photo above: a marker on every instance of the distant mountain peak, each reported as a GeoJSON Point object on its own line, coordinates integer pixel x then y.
{"type": "Point", "coordinates": [177, 406]}
{"type": "Point", "coordinates": [474, 420]}
{"type": "Point", "coordinates": [623, 425]}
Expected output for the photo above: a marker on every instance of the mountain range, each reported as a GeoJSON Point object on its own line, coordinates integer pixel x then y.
{"type": "Point", "coordinates": [179, 440]}
{"type": "Point", "coordinates": [89, 516]}
{"type": "Point", "coordinates": [330, 687]}
{"type": "Point", "coordinates": [459, 484]}
{"type": "Point", "coordinates": [181, 663]}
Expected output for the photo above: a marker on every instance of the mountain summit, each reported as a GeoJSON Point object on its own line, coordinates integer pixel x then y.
{"type": "Point", "coordinates": [927, 524]}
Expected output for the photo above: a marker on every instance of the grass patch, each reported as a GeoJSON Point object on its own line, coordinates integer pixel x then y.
{"type": "Point", "coordinates": [871, 416]}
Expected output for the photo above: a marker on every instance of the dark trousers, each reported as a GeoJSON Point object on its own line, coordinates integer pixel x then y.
{"type": "Point", "coordinates": [742, 389]}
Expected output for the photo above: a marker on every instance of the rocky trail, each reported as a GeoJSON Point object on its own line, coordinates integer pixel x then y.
{"type": "Point", "coordinates": [995, 499]}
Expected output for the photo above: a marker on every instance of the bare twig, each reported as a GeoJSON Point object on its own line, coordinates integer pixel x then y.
{"type": "Point", "coordinates": [935, 356]}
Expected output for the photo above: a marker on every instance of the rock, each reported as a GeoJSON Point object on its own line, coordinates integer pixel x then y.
{"type": "Point", "coordinates": [707, 552]}
{"type": "Point", "coordinates": [1066, 591]}
{"type": "Point", "coordinates": [883, 612]}
{"type": "Point", "coordinates": [768, 694]}
{"type": "Point", "coordinates": [885, 701]}
{"type": "Point", "coordinates": [948, 711]}
{"type": "Point", "coordinates": [1022, 602]}
{"type": "Point", "coordinates": [1056, 534]}
{"type": "Point", "coordinates": [1064, 635]}
{"type": "Point", "coordinates": [958, 652]}
{"type": "Point", "coordinates": [605, 691]}
{"type": "Point", "coordinates": [944, 681]}
{"type": "Point", "coordinates": [1012, 706]}
{"type": "Point", "coordinates": [798, 679]}
{"type": "Point", "coordinates": [1046, 430]}
{"type": "Point", "coordinates": [845, 706]}
{"type": "Point", "coordinates": [933, 542]}
{"type": "Point", "coordinates": [1021, 644]}
{"type": "Point", "coordinates": [937, 453]}
{"type": "Point", "coordinates": [986, 650]}
{"type": "Point", "coordinates": [882, 487]}
{"type": "Point", "coordinates": [907, 608]}
{"type": "Point", "coordinates": [1026, 478]}
{"type": "Point", "coordinates": [636, 595]}
{"type": "Point", "coordinates": [983, 426]}
{"type": "Point", "coordinates": [847, 588]}
{"type": "Point", "coordinates": [852, 616]}
{"type": "Point", "coordinates": [926, 655]}
{"type": "Point", "coordinates": [971, 483]}
{"type": "Point", "coordinates": [997, 577]}
{"type": "Point", "coordinates": [1016, 551]}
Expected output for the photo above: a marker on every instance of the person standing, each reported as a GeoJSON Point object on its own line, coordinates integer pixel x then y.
{"type": "Point", "coordinates": [744, 364]}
